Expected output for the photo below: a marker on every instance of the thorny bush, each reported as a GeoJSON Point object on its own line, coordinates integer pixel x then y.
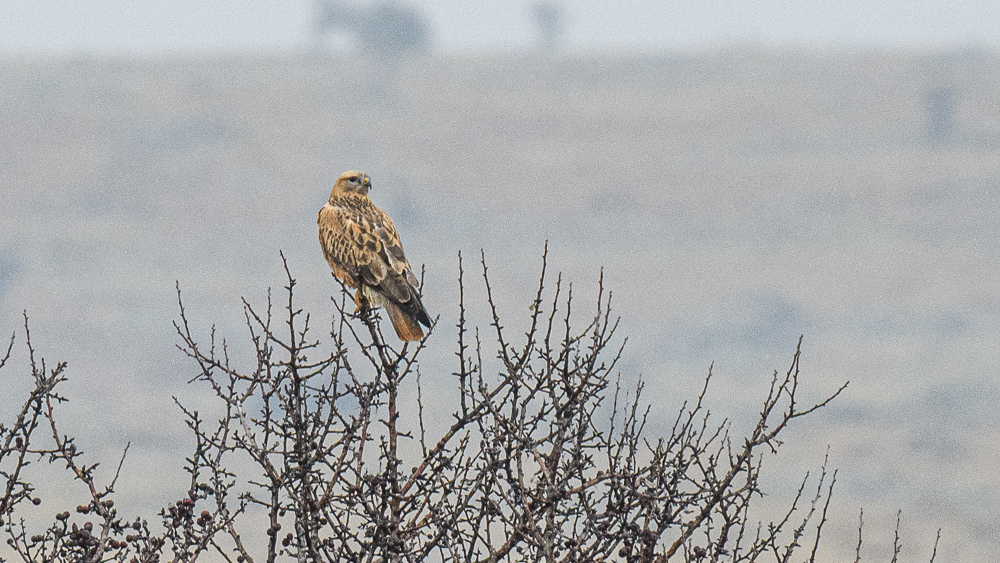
{"type": "Point", "coordinates": [316, 454]}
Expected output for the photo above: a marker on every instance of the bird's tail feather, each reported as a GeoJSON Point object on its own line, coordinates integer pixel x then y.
{"type": "Point", "coordinates": [407, 327]}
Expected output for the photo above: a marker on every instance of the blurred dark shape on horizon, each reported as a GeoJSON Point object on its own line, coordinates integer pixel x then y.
{"type": "Point", "coordinates": [940, 115]}
{"type": "Point", "coordinates": [549, 18]}
{"type": "Point", "coordinates": [386, 28]}
{"type": "Point", "coordinates": [951, 114]}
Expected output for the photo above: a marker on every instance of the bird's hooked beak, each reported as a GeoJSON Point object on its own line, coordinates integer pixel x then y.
{"type": "Point", "coordinates": [366, 182]}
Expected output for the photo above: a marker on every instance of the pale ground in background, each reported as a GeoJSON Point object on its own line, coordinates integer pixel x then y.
{"type": "Point", "coordinates": [735, 199]}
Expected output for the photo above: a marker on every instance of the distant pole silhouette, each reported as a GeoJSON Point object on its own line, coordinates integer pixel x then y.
{"type": "Point", "coordinates": [549, 19]}
{"type": "Point", "coordinates": [940, 107]}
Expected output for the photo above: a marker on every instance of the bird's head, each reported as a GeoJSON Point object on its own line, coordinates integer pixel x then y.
{"type": "Point", "coordinates": [352, 181]}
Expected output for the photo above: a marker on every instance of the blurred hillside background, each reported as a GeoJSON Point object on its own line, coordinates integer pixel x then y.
{"type": "Point", "coordinates": [743, 175]}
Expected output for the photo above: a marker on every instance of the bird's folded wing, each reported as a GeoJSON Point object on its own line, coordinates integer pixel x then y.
{"type": "Point", "coordinates": [367, 246]}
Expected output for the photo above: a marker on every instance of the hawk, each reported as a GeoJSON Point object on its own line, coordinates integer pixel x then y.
{"type": "Point", "coordinates": [363, 249]}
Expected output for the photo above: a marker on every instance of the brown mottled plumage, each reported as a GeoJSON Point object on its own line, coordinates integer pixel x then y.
{"type": "Point", "coordinates": [363, 249]}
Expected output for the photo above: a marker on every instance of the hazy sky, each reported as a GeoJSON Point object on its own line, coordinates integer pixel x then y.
{"type": "Point", "coordinates": [157, 26]}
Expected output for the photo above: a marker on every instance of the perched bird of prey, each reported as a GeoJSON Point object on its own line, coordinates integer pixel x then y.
{"type": "Point", "coordinates": [363, 249]}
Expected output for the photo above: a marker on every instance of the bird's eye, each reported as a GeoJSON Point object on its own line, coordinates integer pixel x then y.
{"type": "Point", "coordinates": [353, 179]}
